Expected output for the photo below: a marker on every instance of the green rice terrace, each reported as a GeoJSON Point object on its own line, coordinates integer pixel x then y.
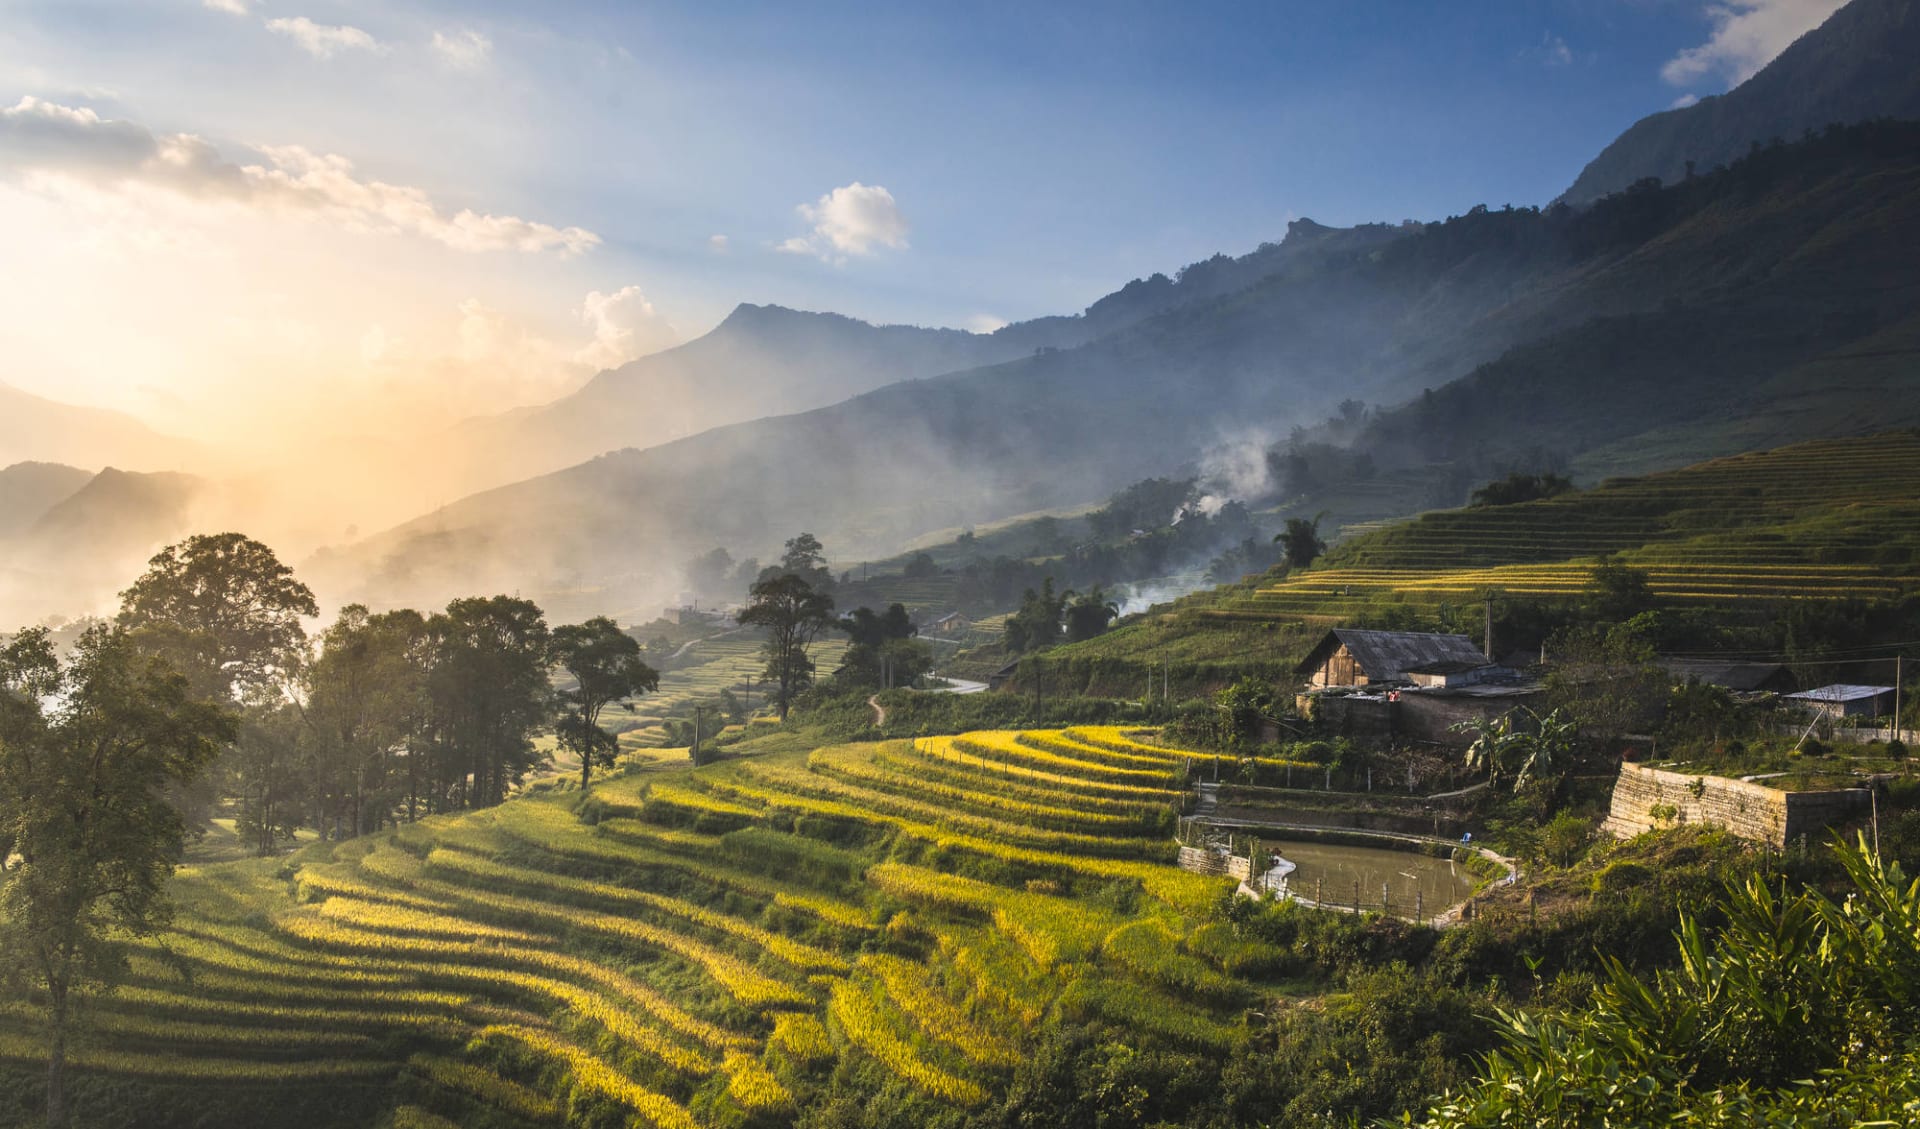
{"type": "Point", "coordinates": [685, 946]}
{"type": "Point", "coordinates": [1834, 519]}
{"type": "Point", "coordinates": [732, 660]}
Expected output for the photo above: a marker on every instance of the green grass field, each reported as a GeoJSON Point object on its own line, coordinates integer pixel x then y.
{"type": "Point", "coordinates": [733, 661]}
{"type": "Point", "coordinates": [688, 947]}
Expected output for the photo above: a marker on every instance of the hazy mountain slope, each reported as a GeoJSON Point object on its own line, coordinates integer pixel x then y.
{"type": "Point", "coordinates": [36, 429]}
{"type": "Point", "coordinates": [28, 490]}
{"type": "Point", "coordinates": [93, 543]}
{"type": "Point", "coordinates": [1792, 312]}
{"type": "Point", "coordinates": [1857, 66]}
{"type": "Point", "coordinates": [1649, 308]}
{"type": "Point", "coordinates": [768, 361]}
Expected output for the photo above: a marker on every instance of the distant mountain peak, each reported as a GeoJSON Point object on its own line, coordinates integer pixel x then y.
{"type": "Point", "coordinates": [1858, 66]}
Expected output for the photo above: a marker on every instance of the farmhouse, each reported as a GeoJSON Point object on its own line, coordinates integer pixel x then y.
{"type": "Point", "coordinates": [1845, 700]}
{"type": "Point", "coordinates": [1406, 685]}
{"type": "Point", "coordinates": [953, 623]}
{"type": "Point", "coordinates": [1351, 657]}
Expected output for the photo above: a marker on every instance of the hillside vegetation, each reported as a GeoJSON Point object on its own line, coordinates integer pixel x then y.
{"type": "Point", "coordinates": [1825, 523]}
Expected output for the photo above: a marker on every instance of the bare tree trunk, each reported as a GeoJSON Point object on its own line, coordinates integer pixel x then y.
{"type": "Point", "coordinates": [57, 1062]}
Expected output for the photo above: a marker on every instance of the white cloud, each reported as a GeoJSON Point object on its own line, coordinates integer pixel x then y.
{"type": "Point", "coordinates": [625, 326]}
{"type": "Point", "coordinates": [985, 323]}
{"type": "Point", "coordinates": [717, 244]}
{"type": "Point", "coordinates": [1553, 51]}
{"type": "Point", "coordinates": [1747, 35]}
{"type": "Point", "coordinates": [231, 7]}
{"type": "Point", "coordinates": [38, 137]}
{"type": "Point", "coordinates": [1683, 101]}
{"type": "Point", "coordinates": [323, 40]}
{"type": "Point", "coordinates": [850, 220]}
{"type": "Point", "coordinates": [466, 50]}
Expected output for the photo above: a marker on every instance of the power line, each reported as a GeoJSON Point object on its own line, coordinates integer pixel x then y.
{"type": "Point", "coordinates": [1862, 653]}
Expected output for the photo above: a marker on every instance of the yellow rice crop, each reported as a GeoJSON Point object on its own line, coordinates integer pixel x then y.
{"type": "Point", "coordinates": [487, 1086]}
{"type": "Point", "coordinates": [21, 1048]}
{"type": "Point", "coordinates": [415, 923]}
{"type": "Point", "coordinates": [860, 1018]}
{"type": "Point", "coordinates": [741, 980]}
{"type": "Point", "coordinates": [796, 953]}
{"type": "Point", "coordinates": [592, 1074]}
{"type": "Point", "coordinates": [801, 1036]}
{"type": "Point", "coordinates": [752, 1086]}
{"type": "Point", "coordinates": [917, 996]}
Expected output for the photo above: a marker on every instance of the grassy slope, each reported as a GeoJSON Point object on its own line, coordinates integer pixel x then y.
{"type": "Point", "coordinates": [1827, 519]}
{"type": "Point", "coordinates": [686, 955]}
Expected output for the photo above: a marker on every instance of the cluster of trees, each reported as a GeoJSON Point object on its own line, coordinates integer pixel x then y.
{"type": "Point", "coordinates": [1520, 487]}
{"type": "Point", "coordinates": [385, 715]}
{"type": "Point", "coordinates": [1047, 617]}
{"type": "Point", "coordinates": [793, 602]}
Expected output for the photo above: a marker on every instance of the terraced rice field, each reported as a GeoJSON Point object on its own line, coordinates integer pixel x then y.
{"type": "Point", "coordinates": [1826, 520]}
{"type": "Point", "coordinates": [732, 662]}
{"type": "Point", "coordinates": [689, 946]}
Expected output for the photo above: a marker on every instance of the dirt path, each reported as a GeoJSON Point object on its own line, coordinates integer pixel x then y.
{"type": "Point", "coordinates": [692, 643]}
{"type": "Point", "coordinates": [879, 712]}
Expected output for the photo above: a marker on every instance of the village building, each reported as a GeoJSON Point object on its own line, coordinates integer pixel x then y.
{"type": "Point", "coordinates": [1731, 674]}
{"type": "Point", "coordinates": [1845, 700]}
{"type": "Point", "coordinates": [953, 623]}
{"type": "Point", "coordinates": [1406, 685]}
{"type": "Point", "coordinates": [1353, 657]}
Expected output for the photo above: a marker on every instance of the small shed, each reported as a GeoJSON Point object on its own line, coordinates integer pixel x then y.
{"type": "Point", "coordinates": [1353, 657]}
{"type": "Point", "coordinates": [953, 623]}
{"type": "Point", "coordinates": [1000, 677]}
{"type": "Point", "coordinates": [1453, 673]}
{"type": "Point", "coordinates": [1846, 700]}
{"type": "Point", "coordinates": [1731, 674]}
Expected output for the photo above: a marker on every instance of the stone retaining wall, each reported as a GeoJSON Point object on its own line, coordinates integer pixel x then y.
{"type": "Point", "coordinates": [1751, 811]}
{"type": "Point", "coordinates": [1199, 860]}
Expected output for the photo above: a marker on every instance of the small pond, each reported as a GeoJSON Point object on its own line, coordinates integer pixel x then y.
{"type": "Point", "coordinates": [1338, 870]}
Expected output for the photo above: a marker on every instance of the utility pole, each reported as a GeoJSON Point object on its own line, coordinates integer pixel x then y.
{"type": "Point", "coordinates": [1488, 644]}
{"type": "Point", "coordinates": [693, 752]}
{"type": "Point", "coordinates": [1898, 662]}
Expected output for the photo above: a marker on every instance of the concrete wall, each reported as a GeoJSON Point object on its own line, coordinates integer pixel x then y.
{"type": "Point", "coordinates": [1202, 861]}
{"type": "Point", "coordinates": [1751, 811]}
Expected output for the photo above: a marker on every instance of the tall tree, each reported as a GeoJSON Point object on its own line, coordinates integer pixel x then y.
{"type": "Point", "coordinates": [489, 694]}
{"type": "Point", "coordinates": [365, 692]}
{"type": "Point", "coordinates": [1037, 624]}
{"type": "Point", "coordinates": [87, 837]}
{"type": "Point", "coordinates": [606, 668]}
{"type": "Point", "coordinates": [794, 613]}
{"type": "Point", "coordinates": [1300, 541]}
{"type": "Point", "coordinates": [884, 651]}
{"type": "Point", "coordinates": [224, 610]}
{"type": "Point", "coordinates": [1089, 614]}
{"type": "Point", "coordinates": [805, 558]}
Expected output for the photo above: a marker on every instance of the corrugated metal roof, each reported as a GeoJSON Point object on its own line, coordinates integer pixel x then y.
{"type": "Point", "coordinates": [1841, 692]}
{"type": "Point", "coordinates": [1388, 655]}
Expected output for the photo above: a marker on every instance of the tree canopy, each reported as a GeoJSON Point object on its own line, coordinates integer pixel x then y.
{"type": "Point", "coordinates": [88, 750]}
{"type": "Point", "coordinates": [794, 613]}
{"type": "Point", "coordinates": [224, 610]}
{"type": "Point", "coordinates": [604, 662]}
{"type": "Point", "coordinates": [1300, 541]}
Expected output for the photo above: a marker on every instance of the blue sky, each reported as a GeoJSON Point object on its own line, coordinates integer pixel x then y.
{"type": "Point", "coordinates": [1032, 157]}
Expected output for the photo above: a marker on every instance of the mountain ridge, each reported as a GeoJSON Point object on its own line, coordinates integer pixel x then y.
{"type": "Point", "coordinates": [1857, 66]}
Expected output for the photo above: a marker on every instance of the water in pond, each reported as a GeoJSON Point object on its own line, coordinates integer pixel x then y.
{"type": "Point", "coordinates": [1337, 869]}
